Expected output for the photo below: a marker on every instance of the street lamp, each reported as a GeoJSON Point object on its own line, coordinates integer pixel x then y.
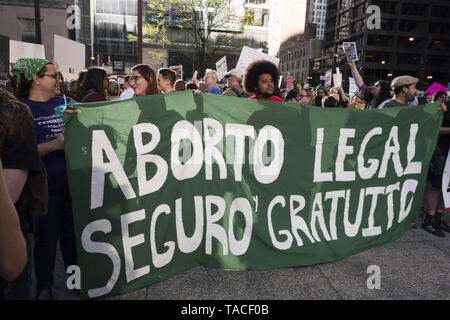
{"type": "Point", "coordinates": [383, 62]}
{"type": "Point", "coordinates": [411, 39]}
{"type": "Point", "coordinates": [92, 60]}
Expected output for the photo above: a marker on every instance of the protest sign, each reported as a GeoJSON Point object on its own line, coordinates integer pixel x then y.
{"type": "Point", "coordinates": [178, 71]}
{"type": "Point", "coordinates": [446, 183]}
{"type": "Point", "coordinates": [353, 88]}
{"type": "Point", "coordinates": [328, 78]}
{"type": "Point", "coordinates": [4, 63]}
{"type": "Point", "coordinates": [20, 49]}
{"type": "Point", "coordinates": [69, 54]}
{"type": "Point", "coordinates": [221, 67]}
{"type": "Point", "coordinates": [436, 87]}
{"type": "Point", "coordinates": [164, 183]}
{"type": "Point", "coordinates": [249, 55]}
{"type": "Point", "coordinates": [350, 50]}
{"type": "Point", "coordinates": [337, 79]}
{"type": "Point", "coordinates": [289, 82]}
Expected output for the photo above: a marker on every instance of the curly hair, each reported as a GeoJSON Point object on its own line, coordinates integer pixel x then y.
{"type": "Point", "coordinates": [257, 68]}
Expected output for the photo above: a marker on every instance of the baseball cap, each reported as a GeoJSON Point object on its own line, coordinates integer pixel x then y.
{"type": "Point", "coordinates": [237, 73]}
{"type": "Point", "coordinates": [403, 81]}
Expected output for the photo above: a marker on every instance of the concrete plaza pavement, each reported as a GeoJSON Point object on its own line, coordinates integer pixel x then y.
{"type": "Point", "coordinates": [416, 266]}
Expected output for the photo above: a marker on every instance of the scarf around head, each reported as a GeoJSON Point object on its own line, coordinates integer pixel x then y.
{"type": "Point", "coordinates": [28, 67]}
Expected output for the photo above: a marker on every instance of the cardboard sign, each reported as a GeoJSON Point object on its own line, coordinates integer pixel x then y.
{"type": "Point", "coordinates": [69, 54]}
{"type": "Point", "coordinates": [221, 67]}
{"type": "Point", "coordinates": [178, 70]}
{"type": "Point", "coordinates": [337, 79]}
{"type": "Point", "coordinates": [289, 82]}
{"type": "Point", "coordinates": [353, 87]}
{"type": "Point", "coordinates": [19, 49]}
{"type": "Point", "coordinates": [350, 50]}
{"type": "Point", "coordinates": [328, 78]}
{"type": "Point", "coordinates": [249, 55]}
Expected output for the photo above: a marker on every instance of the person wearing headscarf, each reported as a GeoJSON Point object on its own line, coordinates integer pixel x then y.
{"type": "Point", "coordinates": [37, 85]}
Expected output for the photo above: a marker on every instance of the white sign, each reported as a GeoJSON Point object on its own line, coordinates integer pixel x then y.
{"type": "Point", "coordinates": [446, 183]}
{"type": "Point", "coordinates": [337, 79]}
{"type": "Point", "coordinates": [328, 78]}
{"type": "Point", "coordinates": [69, 54]}
{"type": "Point", "coordinates": [221, 67]}
{"type": "Point", "coordinates": [353, 87]}
{"type": "Point", "coordinates": [350, 50]}
{"type": "Point", "coordinates": [19, 49]}
{"type": "Point", "coordinates": [249, 55]}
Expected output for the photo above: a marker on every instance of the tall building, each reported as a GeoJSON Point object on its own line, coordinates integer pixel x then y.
{"type": "Point", "coordinates": [105, 25]}
{"type": "Point", "coordinates": [412, 39]}
{"type": "Point", "coordinates": [295, 60]}
{"type": "Point", "coordinates": [319, 11]}
{"type": "Point", "coordinates": [17, 21]}
{"type": "Point", "coordinates": [300, 46]}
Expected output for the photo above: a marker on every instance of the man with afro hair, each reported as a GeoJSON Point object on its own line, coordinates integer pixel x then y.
{"type": "Point", "coordinates": [261, 79]}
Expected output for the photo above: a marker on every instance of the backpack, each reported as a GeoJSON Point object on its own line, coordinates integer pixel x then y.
{"type": "Point", "coordinates": [240, 95]}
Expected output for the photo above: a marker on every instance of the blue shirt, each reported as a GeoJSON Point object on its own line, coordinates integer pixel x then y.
{"type": "Point", "coordinates": [214, 89]}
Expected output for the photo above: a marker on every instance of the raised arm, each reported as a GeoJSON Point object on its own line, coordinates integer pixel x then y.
{"type": "Point", "coordinates": [358, 79]}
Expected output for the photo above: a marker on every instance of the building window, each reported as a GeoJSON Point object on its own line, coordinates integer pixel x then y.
{"type": "Point", "coordinates": [413, 9]}
{"type": "Point", "coordinates": [440, 11]}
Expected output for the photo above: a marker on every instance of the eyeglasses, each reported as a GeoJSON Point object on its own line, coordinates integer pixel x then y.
{"type": "Point", "coordinates": [55, 76]}
{"type": "Point", "coordinates": [135, 78]}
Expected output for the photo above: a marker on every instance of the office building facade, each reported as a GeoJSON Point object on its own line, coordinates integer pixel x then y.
{"type": "Point", "coordinates": [319, 11]}
{"type": "Point", "coordinates": [412, 38]}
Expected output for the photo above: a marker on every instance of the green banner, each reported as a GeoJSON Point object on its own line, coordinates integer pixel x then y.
{"type": "Point", "coordinates": [164, 183]}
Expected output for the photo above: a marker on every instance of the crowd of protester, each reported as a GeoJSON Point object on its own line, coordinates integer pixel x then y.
{"type": "Point", "coordinates": [33, 182]}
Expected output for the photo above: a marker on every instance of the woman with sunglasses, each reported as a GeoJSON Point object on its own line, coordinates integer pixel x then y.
{"type": "Point", "coordinates": [95, 85]}
{"type": "Point", "coordinates": [37, 85]}
{"type": "Point", "coordinates": [143, 80]}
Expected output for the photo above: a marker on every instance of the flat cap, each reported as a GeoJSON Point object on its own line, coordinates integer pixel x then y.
{"type": "Point", "coordinates": [237, 73]}
{"type": "Point", "coordinates": [403, 81]}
